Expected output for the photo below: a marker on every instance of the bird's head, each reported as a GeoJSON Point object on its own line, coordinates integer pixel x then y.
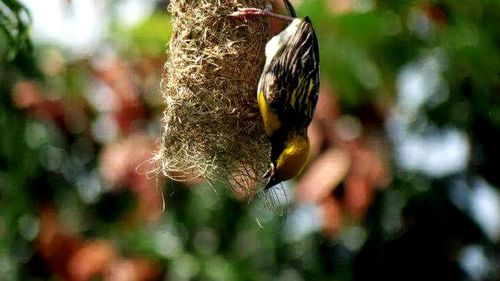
{"type": "Point", "coordinates": [290, 162]}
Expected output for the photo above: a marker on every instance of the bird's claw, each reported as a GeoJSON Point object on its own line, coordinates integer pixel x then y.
{"type": "Point", "coordinates": [243, 13]}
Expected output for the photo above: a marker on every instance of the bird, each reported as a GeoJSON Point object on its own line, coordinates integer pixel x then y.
{"type": "Point", "coordinates": [287, 92]}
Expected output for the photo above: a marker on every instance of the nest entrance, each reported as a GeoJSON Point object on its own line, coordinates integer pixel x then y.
{"type": "Point", "coordinates": [213, 128]}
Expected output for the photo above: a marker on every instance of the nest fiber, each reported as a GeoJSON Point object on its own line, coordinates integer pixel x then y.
{"type": "Point", "coordinates": [213, 128]}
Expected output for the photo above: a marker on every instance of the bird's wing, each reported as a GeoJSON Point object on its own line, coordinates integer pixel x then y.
{"type": "Point", "coordinates": [294, 94]}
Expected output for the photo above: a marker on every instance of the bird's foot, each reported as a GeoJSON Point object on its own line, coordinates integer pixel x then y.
{"type": "Point", "coordinates": [244, 13]}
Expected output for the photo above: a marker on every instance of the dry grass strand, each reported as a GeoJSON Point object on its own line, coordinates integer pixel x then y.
{"type": "Point", "coordinates": [212, 124]}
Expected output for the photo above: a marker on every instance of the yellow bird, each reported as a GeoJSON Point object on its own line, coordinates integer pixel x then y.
{"type": "Point", "coordinates": [288, 92]}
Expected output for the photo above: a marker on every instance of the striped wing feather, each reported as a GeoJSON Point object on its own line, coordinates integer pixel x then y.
{"type": "Point", "coordinates": [298, 62]}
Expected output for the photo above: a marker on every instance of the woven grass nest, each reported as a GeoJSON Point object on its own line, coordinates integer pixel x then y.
{"type": "Point", "coordinates": [212, 126]}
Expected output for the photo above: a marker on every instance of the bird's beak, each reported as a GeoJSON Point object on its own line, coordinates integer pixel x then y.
{"type": "Point", "coordinates": [272, 182]}
{"type": "Point", "coordinates": [270, 172]}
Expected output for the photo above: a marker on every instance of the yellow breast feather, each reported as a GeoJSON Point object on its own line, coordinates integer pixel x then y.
{"type": "Point", "coordinates": [271, 120]}
{"type": "Point", "coordinates": [293, 158]}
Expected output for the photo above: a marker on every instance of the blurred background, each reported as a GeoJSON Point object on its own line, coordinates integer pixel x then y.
{"type": "Point", "coordinates": [403, 183]}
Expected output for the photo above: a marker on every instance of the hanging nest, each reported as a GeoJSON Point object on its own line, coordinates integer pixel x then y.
{"type": "Point", "coordinates": [213, 128]}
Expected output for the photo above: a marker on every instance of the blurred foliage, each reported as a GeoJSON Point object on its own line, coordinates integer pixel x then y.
{"type": "Point", "coordinates": [77, 133]}
{"type": "Point", "coordinates": [14, 24]}
{"type": "Point", "coordinates": [149, 37]}
{"type": "Point", "coordinates": [16, 49]}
